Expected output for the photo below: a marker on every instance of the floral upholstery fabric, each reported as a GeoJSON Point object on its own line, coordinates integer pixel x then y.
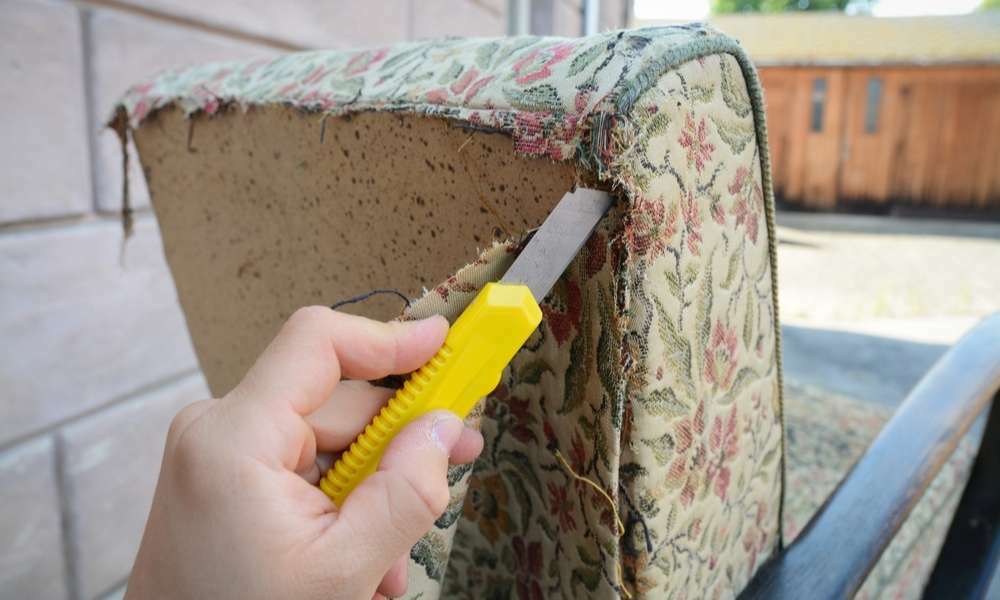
{"type": "Point", "coordinates": [634, 446]}
{"type": "Point", "coordinates": [827, 433]}
{"type": "Point", "coordinates": [653, 375]}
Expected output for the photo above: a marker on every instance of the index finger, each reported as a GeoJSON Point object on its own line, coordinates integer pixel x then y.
{"type": "Point", "coordinates": [317, 346]}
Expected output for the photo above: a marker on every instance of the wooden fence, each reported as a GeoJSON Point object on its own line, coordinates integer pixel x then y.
{"type": "Point", "coordinates": [884, 135]}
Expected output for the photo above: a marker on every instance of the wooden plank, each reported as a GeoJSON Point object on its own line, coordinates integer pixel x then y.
{"type": "Point", "coordinates": [945, 155]}
{"type": "Point", "coordinates": [987, 190]}
{"type": "Point", "coordinates": [967, 151]}
{"type": "Point", "coordinates": [891, 127]}
{"type": "Point", "coordinates": [854, 173]}
{"type": "Point", "coordinates": [838, 548]}
{"type": "Point", "coordinates": [982, 117]}
{"type": "Point", "coordinates": [927, 124]}
{"type": "Point", "coordinates": [867, 156]}
{"type": "Point", "coordinates": [901, 135]}
{"type": "Point", "coordinates": [798, 124]}
{"type": "Point", "coordinates": [916, 140]}
{"type": "Point", "coordinates": [821, 155]}
{"type": "Point", "coordinates": [779, 88]}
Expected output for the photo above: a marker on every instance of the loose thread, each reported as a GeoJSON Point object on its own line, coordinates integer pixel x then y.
{"type": "Point", "coordinates": [120, 125]}
{"type": "Point", "coordinates": [190, 137]}
{"type": "Point", "coordinates": [322, 128]}
{"type": "Point", "coordinates": [619, 525]}
{"type": "Point", "coordinates": [367, 295]}
{"type": "Point", "coordinates": [482, 198]}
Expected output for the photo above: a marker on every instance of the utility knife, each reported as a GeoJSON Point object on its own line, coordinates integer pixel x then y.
{"type": "Point", "coordinates": [481, 342]}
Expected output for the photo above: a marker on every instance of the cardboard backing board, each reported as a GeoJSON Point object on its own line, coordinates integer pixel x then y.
{"type": "Point", "coordinates": [265, 211]}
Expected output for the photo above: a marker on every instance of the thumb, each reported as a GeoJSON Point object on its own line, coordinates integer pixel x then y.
{"type": "Point", "coordinates": [394, 507]}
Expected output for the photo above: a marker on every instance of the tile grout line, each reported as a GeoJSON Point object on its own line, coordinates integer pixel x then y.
{"type": "Point", "coordinates": [191, 23]}
{"type": "Point", "coordinates": [67, 525]}
{"type": "Point", "coordinates": [90, 131]}
{"type": "Point", "coordinates": [46, 222]}
{"type": "Point", "coordinates": [42, 224]}
{"type": "Point", "coordinates": [125, 398]}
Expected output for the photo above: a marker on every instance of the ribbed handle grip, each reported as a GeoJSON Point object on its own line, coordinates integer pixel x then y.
{"type": "Point", "coordinates": [361, 458]}
{"type": "Point", "coordinates": [467, 367]}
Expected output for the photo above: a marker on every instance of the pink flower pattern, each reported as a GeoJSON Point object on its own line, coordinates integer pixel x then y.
{"type": "Point", "coordinates": [694, 138]}
{"type": "Point", "coordinates": [650, 227]}
{"type": "Point", "coordinates": [720, 356]}
{"type": "Point", "coordinates": [749, 201]}
{"type": "Point", "coordinates": [687, 467]}
{"type": "Point", "coordinates": [538, 63]}
{"type": "Point", "coordinates": [561, 506]}
{"type": "Point", "coordinates": [364, 60]}
{"type": "Point", "coordinates": [723, 445]}
{"type": "Point", "coordinates": [692, 223]}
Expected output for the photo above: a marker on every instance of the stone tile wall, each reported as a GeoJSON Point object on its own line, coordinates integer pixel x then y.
{"type": "Point", "coordinates": [96, 359]}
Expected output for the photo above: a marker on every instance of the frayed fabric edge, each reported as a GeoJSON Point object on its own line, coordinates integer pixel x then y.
{"type": "Point", "coordinates": [119, 123]}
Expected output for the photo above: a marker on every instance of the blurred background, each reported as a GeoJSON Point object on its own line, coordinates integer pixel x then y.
{"type": "Point", "coordinates": [885, 133]}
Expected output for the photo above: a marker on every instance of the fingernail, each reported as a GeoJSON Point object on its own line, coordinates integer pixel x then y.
{"type": "Point", "coordinates": [445, 431]}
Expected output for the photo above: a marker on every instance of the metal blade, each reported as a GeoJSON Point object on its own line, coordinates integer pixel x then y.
{"type": "Point", "coordinates": [560, 237]}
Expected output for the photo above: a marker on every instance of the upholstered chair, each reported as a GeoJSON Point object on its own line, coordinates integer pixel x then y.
{"type": "Point", "coordinates": [641, 444]}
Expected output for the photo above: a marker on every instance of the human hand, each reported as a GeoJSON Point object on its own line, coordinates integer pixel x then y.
{"type": "Point", "coordinates": [236, 512]}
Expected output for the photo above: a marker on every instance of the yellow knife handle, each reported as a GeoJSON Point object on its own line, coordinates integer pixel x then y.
{"type": "Point", "coordinates": [467, 367]}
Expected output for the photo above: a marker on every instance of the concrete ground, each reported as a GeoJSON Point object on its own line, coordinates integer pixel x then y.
{"type": "Point", "coordinates": [869, 303]}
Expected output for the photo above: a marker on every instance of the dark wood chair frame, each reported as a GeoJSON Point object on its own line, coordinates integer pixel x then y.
{"type": "Point", "coordinates": [841, 544]}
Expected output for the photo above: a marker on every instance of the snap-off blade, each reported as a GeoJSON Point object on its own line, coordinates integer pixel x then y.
{"type": "Point", "coordinates": [558, 240]}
